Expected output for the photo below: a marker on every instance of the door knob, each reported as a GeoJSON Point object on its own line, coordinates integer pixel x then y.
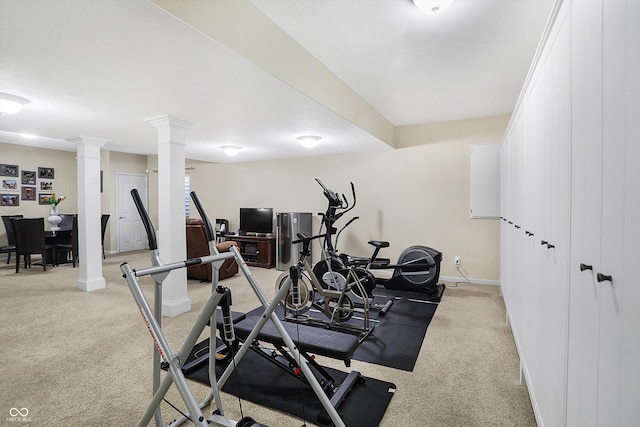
{"type": "Point", "coordinates": [604, 278]}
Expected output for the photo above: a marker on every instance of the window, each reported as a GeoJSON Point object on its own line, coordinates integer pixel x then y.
{"type": "Point", "coordinates": [187, 197]}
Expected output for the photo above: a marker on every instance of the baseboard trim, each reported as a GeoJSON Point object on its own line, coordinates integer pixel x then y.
{"type": "Point", "coordinates": [470, 280]}
{"type": "Point", "coordinates": [175, 308]}
{"type": "Point", "coordinates": [89, 285]}
{"type": "Point", "coordinates": [385, 274]}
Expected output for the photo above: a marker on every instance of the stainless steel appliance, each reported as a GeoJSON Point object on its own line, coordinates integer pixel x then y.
{"type": "Point", "coordinates": [289, 224]}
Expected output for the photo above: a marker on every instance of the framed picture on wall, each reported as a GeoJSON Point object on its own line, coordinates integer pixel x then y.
{"type": "Point", "coordinates": [9, 200]}
{"type": "Point", "coordinates": [29, 177]}
{"type": "Point", "coordinates": [46, 173]}
{"type": "Point", "coordinates": [46, 185]}
{"type": "Point", "coordinates": [43, 198]}
{"type": "Point", "coordinates": [8, 170]}
{"type": "Point", "coordinates": [28, 193]}
{"type": "Point", "coordinates": [9, 184]}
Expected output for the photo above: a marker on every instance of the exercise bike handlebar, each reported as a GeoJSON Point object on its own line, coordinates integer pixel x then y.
{"type": "Point", "coordinates": [211, 236]}
{"type": "Point", "coordinates": [144, 216]}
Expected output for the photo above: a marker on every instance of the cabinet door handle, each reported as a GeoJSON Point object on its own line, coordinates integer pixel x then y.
{"type": "Point", "coordinates": [604, 278]}
{"type": "Point", "coordinates": [518, 227]}
{"type": "Point", "coordinates": [528, 233]}
{"type": "Point", "coordinates": [550, 246]}
{"type": "Point", "coordinates": [544, 242]}
{"type": "Point", "coordinates": [584, 267]}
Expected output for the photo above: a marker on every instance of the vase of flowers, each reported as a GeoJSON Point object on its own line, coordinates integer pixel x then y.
{"type": "Point", "coordinates": [54, 219]}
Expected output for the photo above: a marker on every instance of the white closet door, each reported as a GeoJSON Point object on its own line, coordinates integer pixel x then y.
{"type": "Point", "coordinates": [555, 319]}
{"type": "Point", "coordinates": [630, 298]}
{"type": "Point", "coordinates": [582, 378]}
{"type": "Point", "coordinates": [613, 145]}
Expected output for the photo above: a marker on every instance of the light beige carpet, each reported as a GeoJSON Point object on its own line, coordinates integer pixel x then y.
{"type": "Point", "coordinates": [73, 358]}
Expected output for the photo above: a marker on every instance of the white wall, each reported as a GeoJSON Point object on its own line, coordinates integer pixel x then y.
{"type": "Point", "coordinates": [416, 195]}
{"type": "Point", "coordinates": [65, 181]}
{"type": "Point", "coordinates": [29, 159]}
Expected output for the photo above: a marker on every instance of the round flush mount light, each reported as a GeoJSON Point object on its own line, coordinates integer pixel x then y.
{"type": "Point", "coordinates": [309, 141]}
{"type": "Point", "coordinates": [11, 104]}
{"type": "Point", "coordinates": [231, 150]}
{"type": "Point", "coordinates": [432, 7]}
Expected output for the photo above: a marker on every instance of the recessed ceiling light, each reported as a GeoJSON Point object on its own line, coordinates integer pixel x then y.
{"type": "Point", "coordinates": [309, 141]}
{"type": "Point", "coordinates": [28, 136]}
{"type": "Point", "coordinates": [231, 150]}
{"type": "Point", "coordinates": [432, 7]}
{"type": "Point", "coordinates": [11, 104]}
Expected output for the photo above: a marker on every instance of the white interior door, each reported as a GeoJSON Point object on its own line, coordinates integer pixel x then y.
{"type": "Point", "coordinates": [131, 233]}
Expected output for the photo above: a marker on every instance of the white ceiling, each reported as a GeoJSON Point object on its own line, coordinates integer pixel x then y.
{"type": "Point", "coordinates": [100, 68]}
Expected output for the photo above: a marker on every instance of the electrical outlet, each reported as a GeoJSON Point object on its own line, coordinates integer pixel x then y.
{"type": "Point", "coordinates": [457, 260]}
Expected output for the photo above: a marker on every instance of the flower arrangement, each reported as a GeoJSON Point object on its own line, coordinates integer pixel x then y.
{"type": "Point", "coordinates": [53, 201]}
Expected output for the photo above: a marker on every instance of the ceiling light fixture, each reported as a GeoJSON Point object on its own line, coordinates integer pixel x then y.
{"type": "Point", "coordinates": [432, 7]}
{"type": "Point", "coordinates": [231, 150]}
{"type": "Point", "coordinates": [309, 141]}
{"type": "Point", "coordinates": [11, 104]}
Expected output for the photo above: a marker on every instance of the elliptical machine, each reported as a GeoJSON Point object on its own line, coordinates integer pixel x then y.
{"type": "Point", "coordinates": [417, 269]}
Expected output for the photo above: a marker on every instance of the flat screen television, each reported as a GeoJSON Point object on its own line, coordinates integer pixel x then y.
{"type": "Point", "coordinates": [256, 220]}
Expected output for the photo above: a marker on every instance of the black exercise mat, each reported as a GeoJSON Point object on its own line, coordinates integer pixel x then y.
{"type": "Point", "coordinates": [259, 381]}
{"type": "Point", "coordinates": [397, 338]}
{"type": "Point", "coordinates": [382, 292]}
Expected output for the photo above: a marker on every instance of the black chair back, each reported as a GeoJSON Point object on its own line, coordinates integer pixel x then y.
{"type": "Point", "coordinates": [6, 219]}
{"type": "Point", "coordinates": [68, 242]}
{"type": "Point", "coordinates": [67, 221]}
{"type": "Point", "coordinates": [30, 240]}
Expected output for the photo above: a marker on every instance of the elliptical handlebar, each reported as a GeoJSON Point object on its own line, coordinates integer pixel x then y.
{"type": "Point", "coordinates": [144, 216]}
{"type": "Point", "coordinates": [332, 215]}
{"type": "Point", "coordinates": [337, 202]}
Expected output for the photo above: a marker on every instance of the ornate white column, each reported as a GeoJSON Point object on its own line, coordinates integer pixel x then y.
{"type": "Point", "coordinates": [171, 214]}
{"type": "Point", "coordinates": [89, 212]}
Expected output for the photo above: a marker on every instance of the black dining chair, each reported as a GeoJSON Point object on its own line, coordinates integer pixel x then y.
{"type": "Point", "coordinates": [67, 221]}
{"type": "Point", "coordinates": [103, 222]}
{"type": "Point", "coordinates": [10, 247]}
{"type": "Point", "coordinates": [30, 240]}
{"type": "Point", "coordinates": [70, 244]}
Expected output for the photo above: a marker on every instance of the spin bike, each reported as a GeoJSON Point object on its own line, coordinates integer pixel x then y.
{"type": "Point", "coordinates": [417, 269]}
{"type": "Point", "coordinates": [307, 292]}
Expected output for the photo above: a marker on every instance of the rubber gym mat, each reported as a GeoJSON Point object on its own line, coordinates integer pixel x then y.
{"type": "Point", "coordinates": [261, 382]}
{"type": "Point", "coordinates": [397, 337]}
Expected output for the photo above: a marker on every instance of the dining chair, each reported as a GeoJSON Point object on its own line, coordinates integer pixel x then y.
{"type": "Point", "coordinates": [69, 245]}
{"type": "Point", "coordinates": [103, 222]}
{"type": "Point", "coordinates": [30, 240]}
{"type": "Point", "coordinates": [10, 247]}
{"type": "Point", "coordinates": [67, 221]}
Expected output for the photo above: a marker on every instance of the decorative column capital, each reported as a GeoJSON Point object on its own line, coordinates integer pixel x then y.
{"type": "Point", "coordinates": [170, 129]}
{"type": "Point", "coordinates": [89, 140]}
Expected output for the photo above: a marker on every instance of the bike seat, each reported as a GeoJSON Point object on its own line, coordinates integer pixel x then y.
{"type": "Point", "coordinates": [379, 243]}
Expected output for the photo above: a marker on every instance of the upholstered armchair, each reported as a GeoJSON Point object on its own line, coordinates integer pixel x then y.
{"type": "Point", "coordinates": [198, 245]}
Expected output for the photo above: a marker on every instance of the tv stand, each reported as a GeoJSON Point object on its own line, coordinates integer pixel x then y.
{"type": "Point", "coordinates": [257, 251]}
